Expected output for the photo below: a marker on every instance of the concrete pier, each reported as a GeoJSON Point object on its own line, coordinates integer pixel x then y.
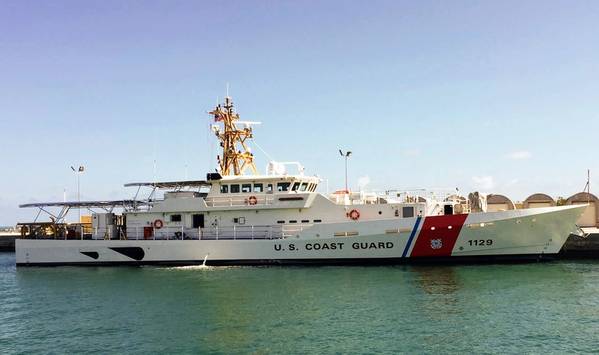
{"type": "Point", "coordinates": [581, 247]}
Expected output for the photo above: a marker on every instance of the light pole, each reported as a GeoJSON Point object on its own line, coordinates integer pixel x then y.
{"type": "Point", "coordinates": [346, 156]}
{"type": "Point", "coordinates": [78, 172]}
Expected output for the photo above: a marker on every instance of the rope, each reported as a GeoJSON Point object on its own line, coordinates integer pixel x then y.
{"type": "Point", "coordinates": [262, 150]}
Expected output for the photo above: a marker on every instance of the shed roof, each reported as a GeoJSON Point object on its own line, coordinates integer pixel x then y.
{"type": "Point", "coordinates": [492, 199]}
{"type": "Point", "coordinates": [582, 197]}
{"type": "Point", "coordinates": [539, 197]}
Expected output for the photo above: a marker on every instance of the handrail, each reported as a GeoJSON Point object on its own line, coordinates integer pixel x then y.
{"type": "Point", "coordinates": [236, 232]}
{"type": "Point", "coordinates": [222, 201]}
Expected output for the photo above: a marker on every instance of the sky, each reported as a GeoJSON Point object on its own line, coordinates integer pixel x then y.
{"type": "Point", "coordinates": [493, 96]}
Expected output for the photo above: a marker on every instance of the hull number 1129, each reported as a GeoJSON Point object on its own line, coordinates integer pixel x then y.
{"type": "Point", "coordinates": [480, 242]}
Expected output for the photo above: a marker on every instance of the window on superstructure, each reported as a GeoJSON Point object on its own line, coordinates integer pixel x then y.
{"type": "Point", "coordinates": [407, 212]}
{"type": "Point", "coordinates": [258, 188]}
{"type": "Point", "coordinates": [269, 188]}
{"type": "Point", "coordinates": [283, 186]}
{"type": "Point", "coordinates": [224, 189]}
{"type": "Point", "coordinates": [175, 218]}
{"type": "Point", "coordinates": [234, 189]}
{"type": "Point", "coordinates": [295, 186]}
{"type": "Point", "coordinates": [245, 188]}
{"type": "Point", "coordinates": [304, 186]}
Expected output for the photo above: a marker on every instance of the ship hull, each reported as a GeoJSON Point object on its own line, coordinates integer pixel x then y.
{"type": "Point", "coordinates": [532, 234]}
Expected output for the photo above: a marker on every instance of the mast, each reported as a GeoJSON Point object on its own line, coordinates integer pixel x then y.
{"type": "Point", "coordinates": [236, 156]}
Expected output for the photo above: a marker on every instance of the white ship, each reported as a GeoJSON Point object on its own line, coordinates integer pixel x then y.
{"type": "Point", "coordinates": [280, 218]}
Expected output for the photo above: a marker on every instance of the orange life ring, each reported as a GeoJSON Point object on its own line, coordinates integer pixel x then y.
{"type": "Point", "coordinates": [252, 200]}
{"type": "Point", "coordinates": [354, 214]}
{"type": "Point", "coordinates": [158, 224]}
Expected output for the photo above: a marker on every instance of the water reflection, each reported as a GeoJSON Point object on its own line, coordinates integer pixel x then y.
{"type": "Point", "coordinates": [441, 286]}
{"type": "Point", "coordinates": [436, 280]}
{"type": "Point", "coordinates": [292, 309]}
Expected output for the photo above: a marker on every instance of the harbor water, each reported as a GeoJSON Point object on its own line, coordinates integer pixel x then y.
{"type": "Point", "coordinates": [515, 308]}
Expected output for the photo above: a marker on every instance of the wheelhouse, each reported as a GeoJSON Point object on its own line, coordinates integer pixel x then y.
{"type": "Point", "coordinates": [252, 185]}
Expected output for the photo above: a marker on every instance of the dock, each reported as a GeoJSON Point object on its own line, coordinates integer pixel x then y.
{"type": "Point", "coordinates": [7, 242]}
{"type": "Point", "coordinates": [582, 247]}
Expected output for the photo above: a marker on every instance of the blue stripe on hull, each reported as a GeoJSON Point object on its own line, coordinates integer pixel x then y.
{"type": "Point", "coordinates": [412, 235]}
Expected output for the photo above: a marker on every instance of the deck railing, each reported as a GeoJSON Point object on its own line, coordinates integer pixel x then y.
{"type": "Point", "coordinates": [278, 231]}
{"type": "Point", "coordinates": [243, 200]}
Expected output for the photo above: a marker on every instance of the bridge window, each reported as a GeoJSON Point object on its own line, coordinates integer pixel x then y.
{"type": "Point", "coordinates": [245, 188]}
{"type": "Point", "coordinates": [224, 189]}
{"type": "Point", "coordinates": [283, 186]}
{"type": "Point", "coordinates": [258, 188]}
{"type": "Point", "coordinates": [295, 186]}
{"type": "Point", "coordinates": [234, 189]}
{"type": "Point", "coordinates": [269, 188]}
{"type": "Point", "coordinates": [304, 186]}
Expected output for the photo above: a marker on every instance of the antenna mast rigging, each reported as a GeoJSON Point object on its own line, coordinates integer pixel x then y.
{"type": "Point", "coordinates": [236, 156]}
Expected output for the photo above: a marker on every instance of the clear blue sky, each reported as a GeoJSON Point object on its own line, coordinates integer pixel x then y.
{"type": "Point", "coordinates": [497, 96]}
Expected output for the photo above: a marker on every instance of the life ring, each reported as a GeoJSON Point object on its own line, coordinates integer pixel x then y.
{"type": "Point", "coordinates": [252, 200]}
{"type": "Point", "coordinates": [158, 224]}
{"type": "Point", "coordinates": [354, 214]}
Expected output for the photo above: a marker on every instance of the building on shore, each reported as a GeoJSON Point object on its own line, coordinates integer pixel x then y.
{"type": "Point", "coordinates": [590, 217]}
{"type": "Point", "coordinates": [538, 200]}
{"type": "Point", "coordinates": [496, 202]}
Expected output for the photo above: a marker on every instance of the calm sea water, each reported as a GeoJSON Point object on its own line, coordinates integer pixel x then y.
{"type": "Point", "coordinates": [531, 308]}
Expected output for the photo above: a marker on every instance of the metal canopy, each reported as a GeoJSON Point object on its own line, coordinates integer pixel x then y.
{"type": "Point", "coordinates": [65, 207]}
{"type": "Point", "coordinates": [86, 204]}
{"type": "Point", "coordinates": [170, 184]}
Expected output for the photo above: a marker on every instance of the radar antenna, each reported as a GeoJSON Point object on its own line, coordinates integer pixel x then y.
{"type": "Point", "coordinates": [236, 156]}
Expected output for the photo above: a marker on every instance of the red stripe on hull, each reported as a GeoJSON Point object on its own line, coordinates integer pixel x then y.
{"type": "Point", "coordinates": [438, 235]}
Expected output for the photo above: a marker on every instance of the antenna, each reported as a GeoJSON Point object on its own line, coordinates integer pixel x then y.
{"type": "Point", "coordinates": [587, 187]}
{"type": "Point", "coordinates": [154, 169]}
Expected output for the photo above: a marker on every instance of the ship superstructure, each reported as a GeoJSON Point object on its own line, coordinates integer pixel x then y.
{"type": "Point", "coordinates": [277, 217]}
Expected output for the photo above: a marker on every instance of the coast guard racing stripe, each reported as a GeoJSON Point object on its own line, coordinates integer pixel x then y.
{"type": "Point", "coordinates": [412, 235]}
{"type": "Point", "coordinates": [438, 235]}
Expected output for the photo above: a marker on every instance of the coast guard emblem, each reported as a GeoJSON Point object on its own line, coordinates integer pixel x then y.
{"type": "Point", "coordinates": [436, 243]}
